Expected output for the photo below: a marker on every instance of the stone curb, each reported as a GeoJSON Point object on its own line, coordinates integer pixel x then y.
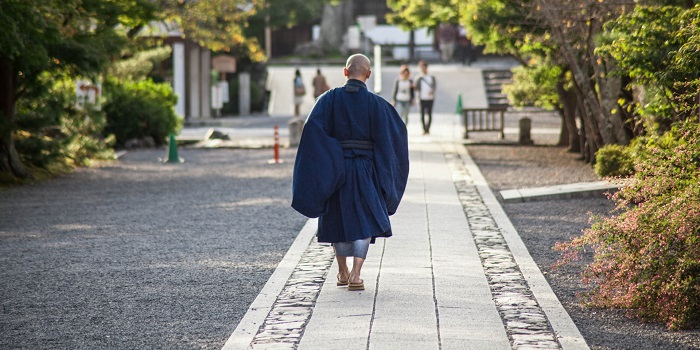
{"type": "Point", "coordinates": [567, 333]}
{"type": "Point", "coordinates": [254, 318]}
{"type": "Point", "coordinates": [576, 190]}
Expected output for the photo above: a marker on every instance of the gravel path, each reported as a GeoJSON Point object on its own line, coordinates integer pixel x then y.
{"type": "Point", "coordinates": [542, 224]}
{"type": "Point", "coordinates": [136, 254]}
{"type": "Point", "coordinates": [140, 255]}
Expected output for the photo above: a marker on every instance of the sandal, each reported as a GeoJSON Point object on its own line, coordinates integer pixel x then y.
{"type": "Point", "coordinates": [340, 282]}
{"type": "Point", "coordinates": [356, 286]}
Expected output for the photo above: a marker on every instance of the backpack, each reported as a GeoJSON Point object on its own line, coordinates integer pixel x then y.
{"type": "Point", "coordinates": [299, 89]}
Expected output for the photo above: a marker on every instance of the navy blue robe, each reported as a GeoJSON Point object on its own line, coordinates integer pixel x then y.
{"type": "Point", "coordinates": [351, 189]}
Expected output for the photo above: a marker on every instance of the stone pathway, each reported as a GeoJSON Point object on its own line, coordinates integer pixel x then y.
{"type": "Point", "coordinates": [449, 280]}
{"type": "Point", "coordinates": [284, 325]}
{"type": "Point", "coordinates": [525, 322]}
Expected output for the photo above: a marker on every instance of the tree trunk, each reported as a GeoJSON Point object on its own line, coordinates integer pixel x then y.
{"type": "Point", "coordinates": [587, 96]}
{"type": "Point", "coordinates": [582, 134]}
{"type": "Point", "coordinates": [9, 159]}
{"type": "Point", "coordinates": [568, 99]}
{"type": "Point", "coordinates": [334, 24]}
{"type": "Point", "coordinates": [609, 93]}
{"type": "Point", "coordinates": [588, 143]}
{"type": "Point", "coordinates": [564, 139]}
{"type": "Point", "coordinates": [412, 46]}
{"type": "Point", "coordinates": [592, 132]}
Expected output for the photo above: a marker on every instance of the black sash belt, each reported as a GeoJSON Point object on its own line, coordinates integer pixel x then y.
{"type": "Point", "coordinates": [357, 144]}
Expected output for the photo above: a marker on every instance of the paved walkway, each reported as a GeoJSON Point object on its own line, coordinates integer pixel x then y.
{"type": "Point", "coordinates": [454, 276]}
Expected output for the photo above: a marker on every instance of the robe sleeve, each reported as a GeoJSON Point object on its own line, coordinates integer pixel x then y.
{"type": "Point", "coordinates": [319, 168]}
{"type": "Point", "coordinates": [390, 153]}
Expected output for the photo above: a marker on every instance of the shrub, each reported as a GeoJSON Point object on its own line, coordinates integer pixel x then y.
{"type": "Point", "coordinates": [52, 133]}
{"type": "Point", "coordinates": [614, 161]}
{"type": "Point", "coordinates": [646, 257]}
{"type": "Point", "coordinates": [140, 109]}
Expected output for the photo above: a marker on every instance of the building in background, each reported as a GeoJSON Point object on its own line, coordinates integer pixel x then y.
{"type": "Point", "coordinates": [188, 71]}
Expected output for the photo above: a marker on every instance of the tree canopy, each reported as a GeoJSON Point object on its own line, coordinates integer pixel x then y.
{"type": "Point", "coordinates": [76, 37]}
{"type": "Point", "coordinates": [588, 40]}
{"type": "Point", "coordinates": [216, 24]}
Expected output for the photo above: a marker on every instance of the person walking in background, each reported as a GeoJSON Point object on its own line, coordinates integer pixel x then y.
{"type": "Point", "coordinates": [299, 92]}
{"type": "Point", "coordinates": [351, 169]}
{"type": "Point", "coordinates": [446, 37]}
{"type": "Point", "coordinates": [464, 46]}
{"type": "Point", "coordinates": [426, 87]}
{"type": "Point", "coordinates": [402, 97]}
{"type": "Point", "coordinates": [320, 84]}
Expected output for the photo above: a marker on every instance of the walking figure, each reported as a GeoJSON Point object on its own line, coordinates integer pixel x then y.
{"type": "Point", "coordinates": [320, 84]}
{"type": "Point", "coordinates": [351, 169]}
{"type": "Point", "coordinates": [299, 92]}
{"type": "Point", "coordinates": [426, 86]}
{"type": "Point", "coordinates": [402, 97]}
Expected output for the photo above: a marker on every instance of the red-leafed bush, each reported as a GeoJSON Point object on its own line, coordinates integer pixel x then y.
{"type": "Point", "coordinates": [646, 257]}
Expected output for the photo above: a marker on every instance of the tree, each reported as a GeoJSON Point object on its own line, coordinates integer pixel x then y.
{"type": "Point", "coordinates": [73, 36]}
{"type": "Point", "coordinates": [506, 27]}
{"type": "Point", "coordinates": [551, 32]}
{"type": "Point", "coordinates": [414, 14]}
{"type": "Point", "coordinates": [216, 24]}
{"type": "Point", "coordinates": [284, 14]}
{"type": "Point", "coordinates": [661, 59]}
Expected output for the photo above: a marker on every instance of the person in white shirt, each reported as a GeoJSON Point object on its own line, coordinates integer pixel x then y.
{"type": "Point", "coordinates": [402, 97]}
{"type": "Point", "coordinates": [426, 87]}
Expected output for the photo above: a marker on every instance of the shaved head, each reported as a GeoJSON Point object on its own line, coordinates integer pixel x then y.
{"type": "Point", "coordinates": [357, 67]}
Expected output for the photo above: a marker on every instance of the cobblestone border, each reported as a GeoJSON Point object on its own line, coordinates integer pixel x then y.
{"type": "Point", "coordinates": [525, 322]}
{"type": "Point", "coordinates": [284, 325]}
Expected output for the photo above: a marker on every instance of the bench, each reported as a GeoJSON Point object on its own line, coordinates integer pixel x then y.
{"type": "Point", "coordinates": [484, 119]}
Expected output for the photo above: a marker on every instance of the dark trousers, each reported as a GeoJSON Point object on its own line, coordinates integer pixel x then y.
{"type": "Point", "coordinates": [426, 107]}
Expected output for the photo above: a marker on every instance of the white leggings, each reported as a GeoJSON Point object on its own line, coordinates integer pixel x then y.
{"type": "Point", "coordinates": [356, 248]}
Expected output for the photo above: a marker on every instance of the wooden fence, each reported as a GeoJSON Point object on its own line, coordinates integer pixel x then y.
{"type": "Point", "coordinates": [483, 119]}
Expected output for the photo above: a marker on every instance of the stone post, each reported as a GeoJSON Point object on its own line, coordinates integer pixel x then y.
{"type": "Point", "coordinates": [525, 125]}
{"type": "Point", "coordinates": [205, 74]}
{"type": "Point", "coordinates": [193, 95]}
{"type": "Point", "coordinates": [244, 93]}
{"type": "Point", "coordinates": [296, 125]}
{"type": "Point", "coordinates": [179, 77]}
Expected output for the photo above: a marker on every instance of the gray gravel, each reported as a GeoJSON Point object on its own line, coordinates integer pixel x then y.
{"type": "Point", "coordinates": [140, 255]}
{"type": "Point", "coordinates": [136, 254]}
{"type": "Point", "coordinates": [542, 224]}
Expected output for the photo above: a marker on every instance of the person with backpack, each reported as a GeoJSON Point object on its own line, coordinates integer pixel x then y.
{"type": "Point", "coordinates": [402, 97]}
{"type": "Point", "coordinates": [299, 92]}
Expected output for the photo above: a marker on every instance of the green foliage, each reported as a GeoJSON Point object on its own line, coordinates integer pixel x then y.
{"type": "Point", "coordinates": [140, 109]}
{"type": "Point", "coordinates": [51, 131]}
{"type": "Point", "coordinates": [77, 36]}
{"type": "Point", "coordinates": [507, 27]}
{"type": "Point", "coordinates": [288, 13]}
{"type": "Point", "coordinates": [534, 85]}
{"type": "Point", "coordinates": [614, 161]}
{"type": "Point", "coordinates": [284, 14]}
{"type": "Point", "coordinates": [42, 43]}
{"type": "Point", "coordinates": [657, 47]}
{"type": "Point", "coordinates": [140, 64]}
{"type": "Point", "coordinates": [647, 255]}
{"type": "Point", "coordinates": [414, 14]}
{"type": "Point", "coordinates": [216, 24]}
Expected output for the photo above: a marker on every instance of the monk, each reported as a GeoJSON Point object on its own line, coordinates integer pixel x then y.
{"type": "Point", "coordinates": [351, 169]}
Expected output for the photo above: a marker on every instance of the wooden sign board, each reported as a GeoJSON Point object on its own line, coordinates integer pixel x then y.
{"type": "Point", "coordinates": [224, 63]}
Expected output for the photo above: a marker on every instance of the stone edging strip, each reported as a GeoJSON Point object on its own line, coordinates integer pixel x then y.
{"type": "Point", "coordinates": [567, 333]}
{"type": "Point", "coordinates": [254, 318]}
{"type": "Point", "coordinates": [576, 190]}
{"type": "Point", "coordinates": [285, 324]}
